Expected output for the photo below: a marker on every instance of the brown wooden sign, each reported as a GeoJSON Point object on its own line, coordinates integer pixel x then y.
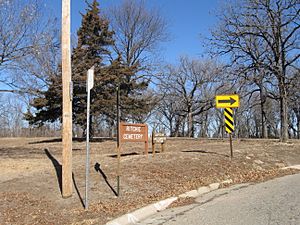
{"type": "Point", "coordinates": [158, 138]}
{"type": "Point", "coordinates": [134, 133]}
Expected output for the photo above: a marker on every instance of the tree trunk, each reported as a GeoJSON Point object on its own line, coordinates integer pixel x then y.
{"type": "Point", "coordinates": [91, 126]}
{"type": "Point", "coordinates": [298, 127]}
{"type": "Point", "coordinates": [111, 128]}
{"type": "Point", "coordinates": [177, 127]}
{"type": "Point", "coordinates": [183, 128]}
{"type": "Point", "coordinates": [204, 126]}
{"type": "Point", "coordinates": [283, 113]}
{"type": "Point", "coordinates": [171, 127]}
{"type": "Point", "coordinates": [190, 125]}
{"type": "Point", "coordinates": [256, 121]}
{"type": "Point", "coordinates": [264, 131]}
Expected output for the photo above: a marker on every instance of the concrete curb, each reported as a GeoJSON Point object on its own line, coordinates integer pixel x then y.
{"type": "Point", "coordinates": [142, 213]}
{"type": "Point", "coordinates": [149, 210]}
{"type": "Point", "coordinates": [297, 167]}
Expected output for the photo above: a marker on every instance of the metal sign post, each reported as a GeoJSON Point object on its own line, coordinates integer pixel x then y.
{"type": "Point", "coordinates": [89, 86]}
{"type": "Point", "coordinates": [118, 141]}
{"type": "Point", "coordinates": [231, 149]}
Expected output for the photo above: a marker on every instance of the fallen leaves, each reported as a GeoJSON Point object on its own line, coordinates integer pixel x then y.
{"type": "Point", "coordinates": [184, 166]}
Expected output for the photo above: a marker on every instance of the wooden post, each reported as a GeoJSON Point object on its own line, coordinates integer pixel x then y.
{"type": "Point", "coordinates": [153, 143]}
{"type": "Point", "coordinates": [231, 150]}
{"type": "Point", "coordinates": [162, 147]}
{"type": "Point", "coordinates": [146, 142]}
{"type": "Point", "coordinates": [67, 101]}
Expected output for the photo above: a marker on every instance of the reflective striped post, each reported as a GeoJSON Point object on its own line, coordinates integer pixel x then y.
{"type": "Point", "coordinates": [229, 126]}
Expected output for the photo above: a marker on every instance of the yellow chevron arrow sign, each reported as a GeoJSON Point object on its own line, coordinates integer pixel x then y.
{"type": "Point", "coordinates": [227, 101]}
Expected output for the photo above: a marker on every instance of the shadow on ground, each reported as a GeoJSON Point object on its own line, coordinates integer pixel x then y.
{"type": "Point", "coordinates": [206, 152]}
{"type": "Point", "coordinates": [58, 169]}
{"type": "Point", "coordinates": [98, 169]}
{"type": "Point", "coordinates": [132, 153]}
{"type": "Point", "coordinates": [95, 139]}
{"type": "Point", "coordinates": [124, 154]}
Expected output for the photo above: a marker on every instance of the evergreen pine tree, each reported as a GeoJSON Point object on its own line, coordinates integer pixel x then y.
{"type": "Point", "coordinates": [49, 104]}
{"type": "Point", "coordinates": [94, 41]}
{"type": "Point", "coordinates": [133, 103]}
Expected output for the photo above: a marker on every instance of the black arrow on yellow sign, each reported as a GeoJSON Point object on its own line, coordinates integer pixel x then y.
{"type": "Point", "coordinates": [230, 101]}
{"type": "Point", "coordinates": [227, 101]}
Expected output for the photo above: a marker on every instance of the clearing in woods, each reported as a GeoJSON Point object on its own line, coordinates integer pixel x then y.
{"type": "Point", "coordinates": [30, 187]}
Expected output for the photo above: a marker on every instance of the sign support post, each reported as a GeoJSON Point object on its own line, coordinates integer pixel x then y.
{"type": "Point", "coordinates": [231, 150]}
{"type": "Point", "coordinates": [153, 143]}
{"type": "Point", "coordinates": [118, 141]}
{"type": "Point", "coordinates": [146, 142]}
{"type": "Point", "coordinates": [89, 86]}
{"type": "Point", "coordinates": [162, 147]}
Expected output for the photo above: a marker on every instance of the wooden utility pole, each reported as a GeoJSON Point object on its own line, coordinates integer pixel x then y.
{"type": "Point", "coordinates": [67, 101]}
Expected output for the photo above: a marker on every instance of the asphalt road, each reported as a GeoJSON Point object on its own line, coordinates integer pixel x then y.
{"type": "Point", "coordinates": [273, 202]}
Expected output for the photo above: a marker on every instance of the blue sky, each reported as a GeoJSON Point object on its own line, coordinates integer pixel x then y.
{"type": "Point", "coordinates": [187, 18]}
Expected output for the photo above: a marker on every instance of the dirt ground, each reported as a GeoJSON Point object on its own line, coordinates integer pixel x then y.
{"type": "Point", "coordinates": [30, 189]}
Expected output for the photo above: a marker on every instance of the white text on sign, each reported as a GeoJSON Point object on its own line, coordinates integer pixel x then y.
{"type": "Point", "coordinates": [132, 136]}
{"type": "Point", "coordinates": [133, 129]}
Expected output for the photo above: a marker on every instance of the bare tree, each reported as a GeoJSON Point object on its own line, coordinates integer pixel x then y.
{"type": "Point", "coordinates": [11, 118]}
{"type": "Point", "coordinates": [168, 111]}
{"type": "Point", "coordinates": [34, 71]}
{"type": "Point", "coordinates": [138, 32]}
{"type": "Point", "coordinates": [17, 22]}
{"type": "Point", "coordinates": [294, 104]}
{"type": "Point", "coordinates": [275, 26]}
{"type": "Point", "coordinates": [190, 88]}
{"type": "Point", "coordinates": [25, 35]}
